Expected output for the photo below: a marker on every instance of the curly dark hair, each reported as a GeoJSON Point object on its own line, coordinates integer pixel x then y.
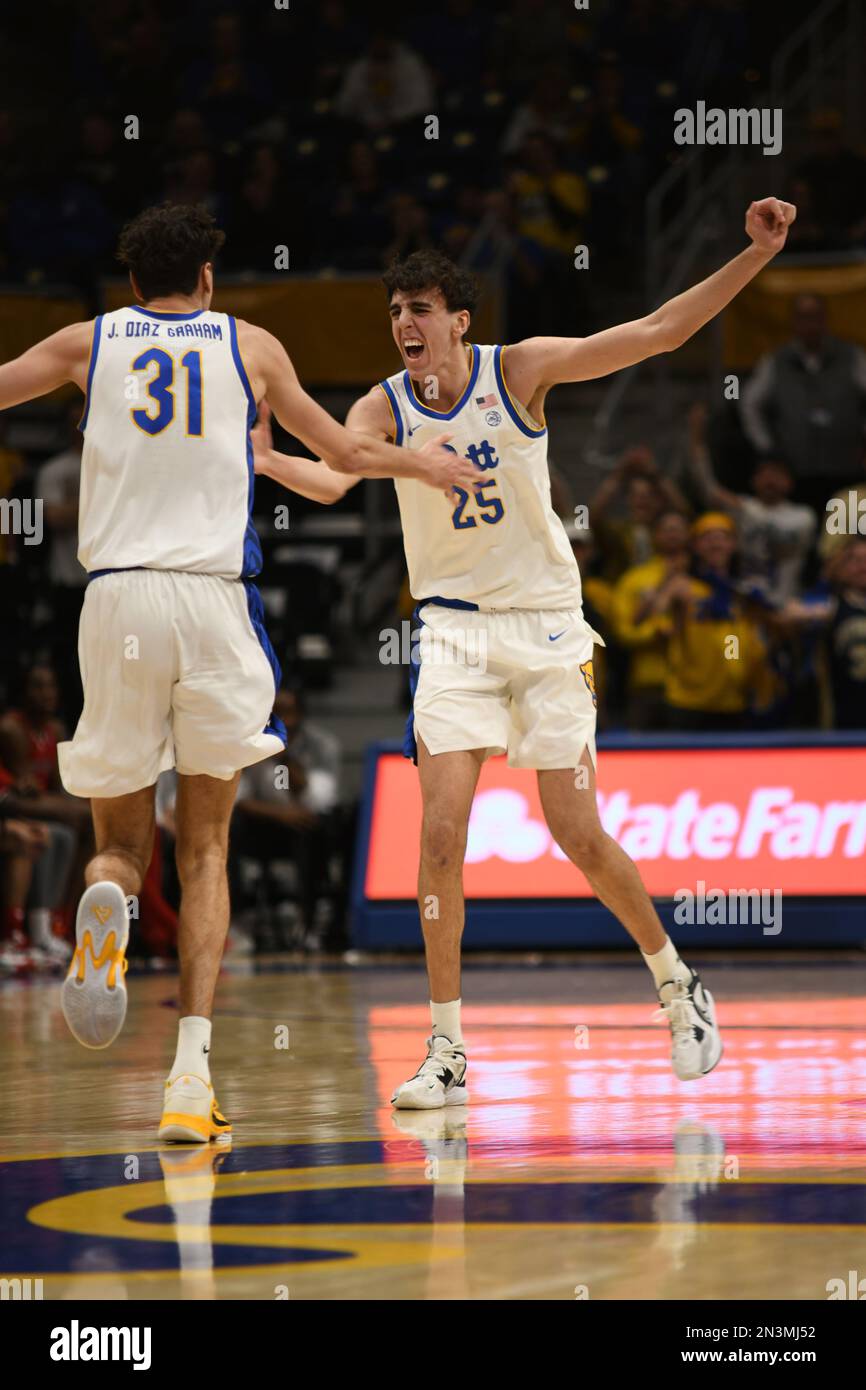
{"type": "Point", "coordinates": [431, 270]}
{"type": "Point", "coordinates": [165, 247]}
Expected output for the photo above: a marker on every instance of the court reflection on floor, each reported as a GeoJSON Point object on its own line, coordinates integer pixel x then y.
{"type": "Point", "coordinates": [581, 1169]}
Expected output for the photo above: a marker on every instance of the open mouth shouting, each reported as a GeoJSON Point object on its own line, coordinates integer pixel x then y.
{"type": "Point", "coordinates": [413, 348]}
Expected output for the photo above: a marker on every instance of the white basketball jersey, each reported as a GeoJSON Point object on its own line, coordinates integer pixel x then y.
{"type": "Point", "coordinates": [167, 468]}
{"type": "Point", "coordinates": [506, 547]}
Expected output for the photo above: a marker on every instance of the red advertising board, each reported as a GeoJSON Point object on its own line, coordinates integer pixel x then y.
{"type": "Point", "coordinates": [792, 819]}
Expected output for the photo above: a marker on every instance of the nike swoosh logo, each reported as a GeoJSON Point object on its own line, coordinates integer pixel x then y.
{"type": "Point", "coordinates": [555, 637]}
{"type": "Point", "coordinates": [700, 1013]}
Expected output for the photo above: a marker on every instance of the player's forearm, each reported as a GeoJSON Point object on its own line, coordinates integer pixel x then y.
{"type": "Point", "coordinates": [18, 383]}
{"type": "Point", "coordinates": [682, 316]}
{"type": "Point", "coordinates": [310, 478]}
{"type": "Point", "coordinates": [328, 479]}
{"type": "Point", "coordinates": [367, 457]}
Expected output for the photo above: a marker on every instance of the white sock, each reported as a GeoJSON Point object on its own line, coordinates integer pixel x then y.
{"type": "Point", "coordinates": [446, 1020]}
{"type": "Point", "coordinates": [39, 925]}
{"type": "Point", "coordinates": [193, 1048]}
{"type": "Point", "coordinates": [666, 965]}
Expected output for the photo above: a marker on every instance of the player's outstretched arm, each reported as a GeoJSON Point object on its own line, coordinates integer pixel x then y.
{"type": "Point", "coordinates": [309, 477]}
{"type": "Point", "coordinates": [540, 362]}
{"type": "Point", "coordinates": [55, 361]}
{"type": "Point", "coordinates": [347, 451]}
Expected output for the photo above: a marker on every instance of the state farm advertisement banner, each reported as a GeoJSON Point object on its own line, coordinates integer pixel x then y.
{"type": "Point", "coordinates": [788, 819]}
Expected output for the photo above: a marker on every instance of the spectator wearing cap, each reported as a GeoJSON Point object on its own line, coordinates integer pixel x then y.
{"type": "Point", "coordinates": [718, 667]}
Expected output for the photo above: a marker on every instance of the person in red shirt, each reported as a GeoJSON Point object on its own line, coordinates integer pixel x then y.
{"type": "Point", "coordinates": [22, 843]}
{"type": "Point", "coordinates": [29, 736]}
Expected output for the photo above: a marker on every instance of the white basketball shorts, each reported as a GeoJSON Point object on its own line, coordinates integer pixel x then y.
{"type": "Point", "coordinates": [177, 672]}
{"type": "Point", "coordinates": [518, 681]}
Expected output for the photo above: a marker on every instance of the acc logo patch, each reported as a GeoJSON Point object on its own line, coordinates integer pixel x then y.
{"type": "Point", "coordinates": [589, 677]}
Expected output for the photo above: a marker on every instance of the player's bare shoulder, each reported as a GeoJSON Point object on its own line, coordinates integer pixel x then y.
{"type": "Point", "coordinates": [263, 356]}
{"type": "Point", "coordinates": [525, 370]}
{"type": "Point", "coordinates": [71, 347]}
{"type": "Point", "coordinates": [371, 414]}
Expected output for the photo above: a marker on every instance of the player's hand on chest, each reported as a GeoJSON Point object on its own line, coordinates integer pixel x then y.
{"type": "Point", "coordinates": [473, 514]}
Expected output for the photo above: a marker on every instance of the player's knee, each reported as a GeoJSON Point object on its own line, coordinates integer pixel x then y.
{"type": "Point", "coordinates": [442, 845]}
{"type": "Point", "coordinates": [583, 845]}
{"type": "Point", "coordinates": [200, 860]}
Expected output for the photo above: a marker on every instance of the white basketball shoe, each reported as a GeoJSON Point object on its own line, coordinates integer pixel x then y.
{"type": "Point", "coordinates": [440, 1079]}
{"type": "Point", "coordinates": [696, 1043]}
{"type": "Point", "coordinates": [93, 995]}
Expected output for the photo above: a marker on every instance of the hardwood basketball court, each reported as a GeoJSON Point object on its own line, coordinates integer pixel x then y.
{"type": "Point", "coordinates": [580, 1169]}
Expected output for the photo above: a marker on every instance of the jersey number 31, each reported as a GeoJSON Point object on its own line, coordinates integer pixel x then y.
{"type": "Point", "coordinates": [160, 388]}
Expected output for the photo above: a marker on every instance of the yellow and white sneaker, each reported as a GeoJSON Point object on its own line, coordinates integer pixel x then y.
{"type": "Point", "coordinates": [93, 995]}
{"type": "Point", "coordinates": [191, 1114]}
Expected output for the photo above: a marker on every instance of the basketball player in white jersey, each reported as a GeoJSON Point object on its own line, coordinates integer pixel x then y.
{"type": "Point", "coordinates": [495, 573]}
{"type": "Point", "coordinates": [177, 668]}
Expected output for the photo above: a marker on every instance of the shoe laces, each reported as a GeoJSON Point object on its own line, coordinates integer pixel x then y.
{"type": "Point", "coordinates": [439, 1056]}
{"type": "Point", "coordinates": [680, 1012]}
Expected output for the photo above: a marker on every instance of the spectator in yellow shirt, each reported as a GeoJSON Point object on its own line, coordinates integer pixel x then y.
{"type": "Point", "coordinates": [642, 620]}
{"type": "Point", "coordinates": [718, 668]}
{"type": "Point", "coordinates": [551, 201]}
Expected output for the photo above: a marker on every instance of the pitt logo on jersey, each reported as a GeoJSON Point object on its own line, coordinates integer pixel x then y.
{"type": "Point", "coordinates": [589, 677]}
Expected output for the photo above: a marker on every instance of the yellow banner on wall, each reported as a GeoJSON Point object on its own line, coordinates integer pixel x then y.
{"type": "Point", "coordinates": [759, 319]}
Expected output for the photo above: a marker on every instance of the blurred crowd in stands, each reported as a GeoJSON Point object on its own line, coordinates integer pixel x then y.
{"type": "Point", "coordinates": [734, 595]}
{"type": "Point", "coordinates": [729, 585]}
{"type": "Point", "coordinates": [309, 127]}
